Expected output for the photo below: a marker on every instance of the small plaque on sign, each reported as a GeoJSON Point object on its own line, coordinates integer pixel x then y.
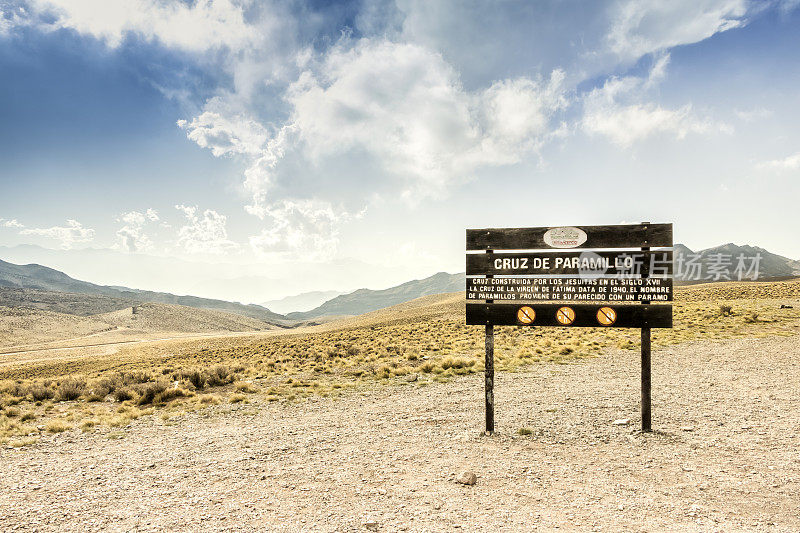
{"type": "Point", "coordinates": [566, 237]}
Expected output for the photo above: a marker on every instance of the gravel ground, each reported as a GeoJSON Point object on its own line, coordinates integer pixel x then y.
{"type": "Point", "coordinates": [726, 456]}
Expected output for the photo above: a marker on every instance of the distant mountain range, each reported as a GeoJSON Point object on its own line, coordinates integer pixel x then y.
{"type": "Point", "coordinates": [47, 279]}
{"type": "Point", "coordinates": [300, 302]}
{"type": "Point", "coordinates": [695, 267]}
{"type": "Point", "coordinates": [366, 300]}
{"type": "Point", "coordinates": [34, 285]}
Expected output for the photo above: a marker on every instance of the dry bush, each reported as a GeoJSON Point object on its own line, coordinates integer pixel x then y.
{"type": "Point", "coordinates": [136, 377]}
{"type": "Point", "coordinates": [14, 388]}
{"type": "Point", "coordinates": [219, 375]}
{"type": "Point", "coordinates": [123, 394]}
{"type": "Point", "coordinates": [57, 426]}
{"type": "Point", "coordinates": [243, 386]}
{"type": "Point", "coordinates": [70, 389]}
{"type": "Point", "coordinates": [40, 392]}
{"type": "Point", "coordinates": [725, 310]}
{"type": "Point", "coordinates": [194, 376]}
{"type": "Point", "coordinates": [149, 392]}
{"type": "Point", "coordinates": [169, 394]}
{"type": "Point", "coordinates": [110, 383]}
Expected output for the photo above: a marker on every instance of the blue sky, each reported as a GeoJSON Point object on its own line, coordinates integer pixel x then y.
{"type": "Point", "coordinates": [333, 145]}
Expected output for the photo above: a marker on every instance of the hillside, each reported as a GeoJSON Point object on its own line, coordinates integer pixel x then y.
{"type": "Point", "coordinates": [42, 278]}
{"type": "Point", "coordinates": [164, 317]}
{"type": "Point", "coordinates": [366, 300]}
{"type": "Point", "coordinates": [770, 265]}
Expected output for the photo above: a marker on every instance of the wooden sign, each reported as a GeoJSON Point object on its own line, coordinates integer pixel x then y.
{"type": "Point", "coordinates": [570, 276]}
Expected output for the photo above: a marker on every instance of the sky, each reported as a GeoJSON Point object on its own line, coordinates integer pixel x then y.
{"type": "Point", "coordinates": [251, 150]}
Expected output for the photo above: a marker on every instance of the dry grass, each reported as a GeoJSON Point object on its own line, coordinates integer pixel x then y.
{"type": "Point", "coordinates": [409, 344]}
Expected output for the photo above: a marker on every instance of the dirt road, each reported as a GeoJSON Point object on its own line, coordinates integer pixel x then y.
{"type": "Point", "coordinates": [726, 456]}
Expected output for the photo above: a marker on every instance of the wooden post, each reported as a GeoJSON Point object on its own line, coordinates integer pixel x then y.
{"type": "Point", "coordinates": [646, 414]}
{"type": "Point", "coordinates": [489, 379]}
{"type": "Point", "coordinates": [646, 422]}
{"type": "Point", "coordinates": [488, 369]}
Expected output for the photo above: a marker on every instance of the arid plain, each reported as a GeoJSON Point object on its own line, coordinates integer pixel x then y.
{"type": "Point", "coordinates": [180, 418]}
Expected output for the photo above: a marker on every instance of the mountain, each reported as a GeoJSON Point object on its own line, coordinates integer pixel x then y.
{"type": "Point", "coordinates": [694, 267]}
{"type": "Point", "coordinates": [43, 278]}
{"type": "Point", "coordinates": [301, 302]}
{"type": "Point", "coordinates": [366, 300]}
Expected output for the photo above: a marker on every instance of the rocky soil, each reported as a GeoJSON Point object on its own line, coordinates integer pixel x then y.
{"type": "Point", "coordinates": [725, 457]}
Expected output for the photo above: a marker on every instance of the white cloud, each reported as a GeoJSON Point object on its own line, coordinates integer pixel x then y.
{"type": "Point", "coordinates": [640, 27]}
{"type": "Point", "coordinates": [196, 26]}
{"type": "Point", "coordinates": [12, 223]}
{"type": "Point", "coordinates": [70, 235]}
{"type": "Point", "coordinates": [204, 233]}
{"type": "Point", "coordinates": [618, 111]}
{"type": "Point", "coordinates": [400, 105]}
{"type": "Point", "coordinates": [752, 115]}
{"type": "Point", "coordinates": [131, 237]}
{"type": "Point", "coordinates": [788, 163]}
{"type": "Point", "coordinates": [305, 229]}
{"type": "Point", "coordinates": [224, 131]}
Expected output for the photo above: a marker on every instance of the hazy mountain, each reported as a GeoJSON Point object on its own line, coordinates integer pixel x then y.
{"type": "Point", "coordinates": [366, 300]}
{"type": "Point", "coordinates": [769, 266]}
{"type": "Point", "coordinates": [300, 302]}
{"type": "Point", "coordinates": [47, 279]}
{"type": "Point", "coordinates": [227, 279]}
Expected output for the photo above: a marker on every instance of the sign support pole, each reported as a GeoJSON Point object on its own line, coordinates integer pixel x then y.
{"type": "Point", "coordinates": [646, 384]}
{"type": "Point", "coordinates": [488, 369]}
{"type": "Point", "coordinates": [489, 378]}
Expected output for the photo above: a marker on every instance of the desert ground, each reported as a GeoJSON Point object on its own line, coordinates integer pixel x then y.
{"type": "Point", "coordinates": [368, 423]}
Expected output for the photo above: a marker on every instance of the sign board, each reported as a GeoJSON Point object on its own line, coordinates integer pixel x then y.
{"type": "Point", "coordinates": [615, 264]}
{"type": "Point", "coordinates": [570, 276]}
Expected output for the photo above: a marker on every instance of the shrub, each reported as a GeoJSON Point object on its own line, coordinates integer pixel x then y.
{"type": "Point", "coordinates": [751, 317]}
{"type": "Point", "coordinates": [243, 386]}
{"type": "Point", "coordinates": [219, 375]}
{"type": "Point", "coordinates": [123, 394]}
{"type": "Point", "coordinates": [725, 310]}
{"type": "Point", "coordinates": [110, 383]}
{"type": "Point", "coordinates": [150, 391]}
{"type": "Point", "coordinates": [195, 377]}
{"type": "Point", "coordinates": [40, 392]}
{"type": "Point", "coordinates": [524, 431]}
{"type": "Point", "coordinates": [427, 367]}
{"type": "Point", "coordinates": [70, 389]}
{"type": "Point", "coordinates": [138, 376]}
{"type": "Point", "coordinates": [236, 398]}
{"type": "Point", "coordinates": [169, 394]}
{"type": "Point", "coordinates": [57, 426]}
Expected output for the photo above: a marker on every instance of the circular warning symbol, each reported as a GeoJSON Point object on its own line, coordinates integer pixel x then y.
{"type": "Point", "coordinates": [565, 315]}
{"type": "Point", "coordinates": [526, 315]}
{"type": "Point", "coordinates": [606, 316]}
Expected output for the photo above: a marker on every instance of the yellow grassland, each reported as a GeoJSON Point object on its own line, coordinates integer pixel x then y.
{"type": "Point", "coordinates": [412, 344]}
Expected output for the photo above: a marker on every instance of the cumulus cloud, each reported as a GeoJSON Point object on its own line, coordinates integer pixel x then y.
{"type": "Point", "coordinates": [641, 27]}
{"type": "Point", "coordinates": [618, 110]}
{"type": "Point", "coordinates": [132, 237]}
{"type": "Point", "coordinates": [788, 163]}
{"type": "Point", "coordinates": [10, 223]}
{"type": "Point", "coordinates": [427, 98]}
{"type": "Point", "coordinates": [196, 26]}
{"type": "Point", "coordinates": [70, 235]}
{"type": "Point", "coordinates": [204, 233]}
{"type": "Point", "coordinates": [307, 229]}
{"type": "Point", "coordinates": [400, 105]}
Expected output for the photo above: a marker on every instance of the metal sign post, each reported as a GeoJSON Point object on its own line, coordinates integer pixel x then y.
{"type": "Point", "coordinates": [589, 276]}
